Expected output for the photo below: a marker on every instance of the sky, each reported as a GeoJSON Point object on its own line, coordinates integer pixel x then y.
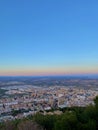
{"type": "Point", "coordinates": [48, 37]}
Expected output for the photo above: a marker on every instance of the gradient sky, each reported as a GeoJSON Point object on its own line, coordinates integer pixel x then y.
{"type": "Point", "coordinates": [48, 37]}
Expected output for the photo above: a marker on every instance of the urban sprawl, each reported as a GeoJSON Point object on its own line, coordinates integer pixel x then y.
{"type": "Point", "coordinates": [28, 99]}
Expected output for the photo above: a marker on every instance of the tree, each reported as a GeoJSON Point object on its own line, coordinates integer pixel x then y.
{"type": "Point", "coordinates": [9, 125]}
{"type": "Point", "coordinates": [29, 125]}
{"type": "Point", "coordinates": [46, 121]}
{"type": "Point", "coordinates": [67, 121]}
{"type": "Point", "coordinates": [96, 109]}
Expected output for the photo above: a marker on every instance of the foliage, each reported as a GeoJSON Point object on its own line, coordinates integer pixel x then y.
{"type": "Point", "coordinates": [75, 118]}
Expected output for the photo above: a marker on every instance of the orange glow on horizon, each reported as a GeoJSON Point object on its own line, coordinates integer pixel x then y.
{"type": "Point", "coordinates": [49, 71]}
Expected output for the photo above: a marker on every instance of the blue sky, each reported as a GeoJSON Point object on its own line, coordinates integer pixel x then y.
{"type": "Point", "coordinates": [48, 37]}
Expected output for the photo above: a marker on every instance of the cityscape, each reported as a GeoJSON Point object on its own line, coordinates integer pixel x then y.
{"type": "Point", "coordinates": [30, 95]}
{"type": "Point", "coordinates": [49, 65]}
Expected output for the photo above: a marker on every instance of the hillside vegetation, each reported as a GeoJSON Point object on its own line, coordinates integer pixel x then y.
{"type": "Point", "coordinates": [75, 118]}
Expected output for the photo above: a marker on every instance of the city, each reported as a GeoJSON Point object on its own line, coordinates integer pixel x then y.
{"type": "Point", "coordinates": [26, 99]}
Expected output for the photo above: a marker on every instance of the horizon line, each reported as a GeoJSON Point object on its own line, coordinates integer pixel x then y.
{"type": "Point", "coordinates": [49, 75]}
